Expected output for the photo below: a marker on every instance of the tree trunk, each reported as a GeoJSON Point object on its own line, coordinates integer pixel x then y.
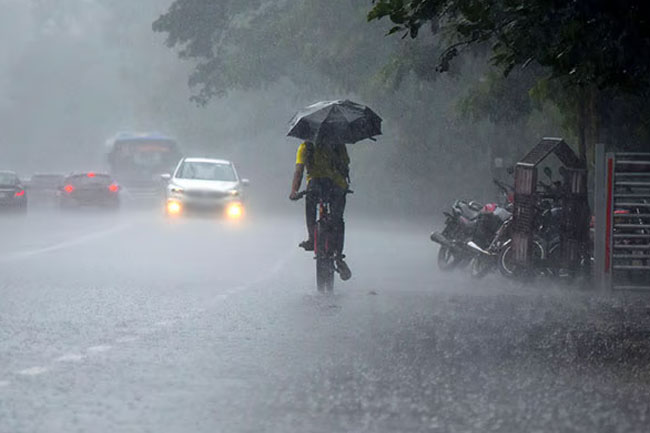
{"type": "Point", "coordinates": [582, 126]}
{"type": "Point", "coordinates": [593, 125]}
{"type": "Point", "coordinates": [588, 124]}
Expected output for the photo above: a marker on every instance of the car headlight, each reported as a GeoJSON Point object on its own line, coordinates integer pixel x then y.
{"type": "Point", "coordinates": [233, 192]}
{"type": "Point", "coordinates": [174, 208]}
{"type": "Point", "coordinates": [235, 211]}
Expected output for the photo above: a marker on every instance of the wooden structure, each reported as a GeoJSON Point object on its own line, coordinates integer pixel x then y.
{"type": "Point", "coordinates": [572, 196]}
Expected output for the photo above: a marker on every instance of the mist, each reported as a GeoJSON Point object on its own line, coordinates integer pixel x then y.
{"type": "Point", "coordinates": [79, 72]}
{"type": "Point", "coordinates": [146, 285]}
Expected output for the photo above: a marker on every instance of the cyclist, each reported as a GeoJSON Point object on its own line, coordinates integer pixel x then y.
{"type": "Point", "coordinates": [327, 167]}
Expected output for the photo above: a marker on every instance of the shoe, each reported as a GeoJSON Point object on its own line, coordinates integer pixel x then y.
{"type": "Point", "coordinates": [307, 245]}
{"type": "Point", "coordinates": [343, 269]}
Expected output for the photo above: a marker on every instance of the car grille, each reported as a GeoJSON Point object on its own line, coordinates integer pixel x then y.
{"type": "Point", "coordinates": [206, 194]}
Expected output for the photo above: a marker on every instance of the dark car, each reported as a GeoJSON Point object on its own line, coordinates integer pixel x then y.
{"type": "Point", "coordinates": [12, 193]}
{"type": "Point", "coordinates": [89, 190]}
{"type": "Point", "coordinates": [43, 188]}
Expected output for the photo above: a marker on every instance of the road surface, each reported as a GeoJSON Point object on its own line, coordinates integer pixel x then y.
{"type": "Point", "coordinates": [133, 323]}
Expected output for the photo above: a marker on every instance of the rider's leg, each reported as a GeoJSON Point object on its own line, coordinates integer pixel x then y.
{"type": "Point", "coordinates": [337, 203]}
{"type": "Point", "coordinates": [311, 202]}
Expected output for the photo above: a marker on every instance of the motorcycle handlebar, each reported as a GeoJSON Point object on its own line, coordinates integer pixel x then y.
{"type": "Point", "coordinates": [502, 186]}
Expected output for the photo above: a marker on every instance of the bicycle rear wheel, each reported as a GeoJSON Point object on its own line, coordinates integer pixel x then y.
{"type": "Point", "coordinates": [324, 259]}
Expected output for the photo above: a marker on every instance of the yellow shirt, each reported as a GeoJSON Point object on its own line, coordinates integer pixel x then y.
{"type": "Point", "coordinates": [323, 166]}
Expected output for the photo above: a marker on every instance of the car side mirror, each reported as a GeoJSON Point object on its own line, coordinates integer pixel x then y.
{"type": "Point", "coordinates": [166, 177]}
{"type": "Point", "coordinates": [245, 182]}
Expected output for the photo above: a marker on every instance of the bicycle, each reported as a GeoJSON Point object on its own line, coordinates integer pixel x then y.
{"type": "Point", "coordinates": [324, 243]}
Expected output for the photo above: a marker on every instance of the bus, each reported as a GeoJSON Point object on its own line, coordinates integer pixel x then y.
{"type": "Point", "coordinates": [136, 161]}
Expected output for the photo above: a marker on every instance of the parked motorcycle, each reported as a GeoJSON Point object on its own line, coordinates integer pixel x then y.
{"type": "Point", "coordinates": [545, 247]}
{"type": "Point", "coordinates": [492, 231]}
{"type": "Point", "coordinates": [459, 228]}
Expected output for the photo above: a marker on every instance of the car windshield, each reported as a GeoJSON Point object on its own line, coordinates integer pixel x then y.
{"type": "Point", "coordinates": [8, 179]}
{"type": "Point", "coordinates": [206, 171]}
{"type": "Point", "coordinates": [89, 180]}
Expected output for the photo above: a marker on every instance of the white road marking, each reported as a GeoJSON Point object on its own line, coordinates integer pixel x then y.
{"type": "Point", "coordinates": [226, 293]}
{"type": "Point", "coordinates": [100, 348]}
{"type": "Point", "coordinates": [164, 323]}
{"type": "Point", "coordinates": [33, 371]}
{"type": "Point", "coordinates": [127, 339]}
{"type": "Point", "coordinates": [70, 357]}
{"type": "Point", "coordinates": [76, 357]}
{"type": "Point", "coordinates": [275, 269]}
{"type": "Point", "coordinates": [66, 244]}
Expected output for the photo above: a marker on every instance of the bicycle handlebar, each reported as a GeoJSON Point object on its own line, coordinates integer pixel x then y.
{"type": "Point", "coordinates": [301, 194]}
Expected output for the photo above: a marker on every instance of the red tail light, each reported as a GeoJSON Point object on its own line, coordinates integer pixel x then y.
{"type": "Point", "coordinates": [68, 188]}
{"type": "Point", "coordinates": [113, 187]}
{"type": "Point", "coordinates": [20, 193]}
{"type": "Point", "coordinates": [91, 174]}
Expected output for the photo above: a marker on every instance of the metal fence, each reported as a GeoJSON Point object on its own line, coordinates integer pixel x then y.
{"type": "Point", "coordinates": [622, 230]}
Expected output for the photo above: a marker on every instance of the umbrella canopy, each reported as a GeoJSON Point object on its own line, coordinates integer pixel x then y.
{"type": "Point", "coordinates": [340, 121]}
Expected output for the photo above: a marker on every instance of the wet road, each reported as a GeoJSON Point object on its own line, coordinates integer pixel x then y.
{"type": "Point", "coordinates": [133, 323]}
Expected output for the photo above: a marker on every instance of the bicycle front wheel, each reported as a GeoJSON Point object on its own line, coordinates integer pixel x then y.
{"type": "Point", "coordinates": [324, 259]}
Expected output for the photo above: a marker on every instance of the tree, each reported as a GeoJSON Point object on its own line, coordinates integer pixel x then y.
{"type": "Point", "coordinates": [587, 46]}
{"type": "Point", "coordinates": [249, 44]}
{"type": "Point", "coordinates": [595, 42]}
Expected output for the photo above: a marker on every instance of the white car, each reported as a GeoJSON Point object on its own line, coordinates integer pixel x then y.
{"type": "Point", "coordinates": [207, 186]}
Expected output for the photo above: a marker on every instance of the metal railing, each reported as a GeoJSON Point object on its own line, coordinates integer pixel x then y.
{"type": "Point", "coordinates": [628, 220]}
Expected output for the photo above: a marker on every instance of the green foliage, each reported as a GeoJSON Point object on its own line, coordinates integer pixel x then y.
{"type": "Point", "coordinates": [249, 44]}
{"type": "Point", "coordinates": [595, 42]}
{"type": "Point", "coordinates": [499, 100]}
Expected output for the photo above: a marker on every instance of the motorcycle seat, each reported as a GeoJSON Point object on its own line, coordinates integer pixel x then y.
{"type": "Point", "coordinates": [468, 210]}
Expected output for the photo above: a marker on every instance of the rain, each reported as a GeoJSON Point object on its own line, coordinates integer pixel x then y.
{"type": "Point", "coordinates": [306, 216]}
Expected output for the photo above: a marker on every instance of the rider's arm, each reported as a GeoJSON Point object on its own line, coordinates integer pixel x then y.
{"type": "Point", "coordinates": [297, 180]}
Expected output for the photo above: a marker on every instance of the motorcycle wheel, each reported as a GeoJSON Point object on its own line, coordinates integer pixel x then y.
{"type": "Point", "coordinates": [480, 266]}
{"type": "Point", "coordinates": [447, 260]}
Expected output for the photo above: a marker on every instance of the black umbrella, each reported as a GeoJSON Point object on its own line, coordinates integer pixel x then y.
{"type": "Point", "coordinates": [340, 121]}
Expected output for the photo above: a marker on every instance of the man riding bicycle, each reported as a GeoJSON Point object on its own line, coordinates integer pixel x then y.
{"type": "Point", "coordinates": [327, 176]}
